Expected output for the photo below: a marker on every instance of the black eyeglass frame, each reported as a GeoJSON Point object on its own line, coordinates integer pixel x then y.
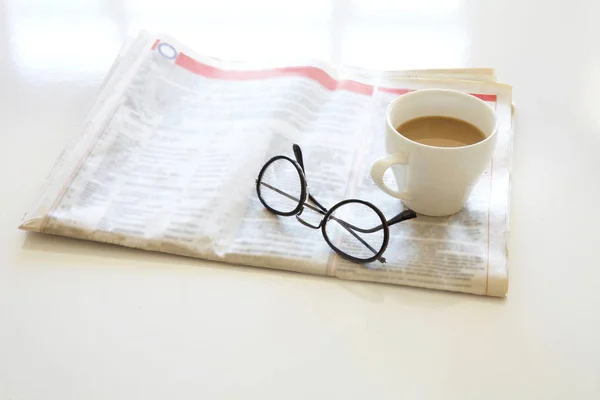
{"type": "Point", "coordinates": [329, 214]}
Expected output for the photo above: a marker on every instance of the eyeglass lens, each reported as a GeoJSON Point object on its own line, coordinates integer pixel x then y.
{"type": "Point", "coordinates": [281, 174]}
{"type": "Point", "coordinates": [342, 233]}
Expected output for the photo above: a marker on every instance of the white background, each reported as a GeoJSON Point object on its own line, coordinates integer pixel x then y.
{"type": "Point", "coordinates": [89, 321]}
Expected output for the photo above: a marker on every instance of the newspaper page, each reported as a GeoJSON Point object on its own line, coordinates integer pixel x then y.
{"type": "Point", "coordinates": [167, 158]}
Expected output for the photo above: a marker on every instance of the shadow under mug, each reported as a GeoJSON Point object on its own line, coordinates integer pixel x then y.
{"type": "Point", "coordinates": [435, 181]}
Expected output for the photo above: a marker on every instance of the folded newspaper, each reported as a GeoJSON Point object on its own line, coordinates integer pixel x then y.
{"type": "Point", "coordinates": [167, 156]}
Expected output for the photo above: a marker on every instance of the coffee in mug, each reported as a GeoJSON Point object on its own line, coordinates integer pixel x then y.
{"type": "Point", "coordinates": [441, 131]}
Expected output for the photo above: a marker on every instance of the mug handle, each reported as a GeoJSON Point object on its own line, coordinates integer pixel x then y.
{"type": "Point", "coordinates": [382, 165]}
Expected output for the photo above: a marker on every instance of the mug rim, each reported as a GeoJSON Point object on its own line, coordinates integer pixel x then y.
{"type": "Point", "coordinates": [454, 92]}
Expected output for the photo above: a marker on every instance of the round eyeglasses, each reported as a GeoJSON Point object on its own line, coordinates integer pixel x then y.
{"type": "Point", "coordinates": [355, 229]}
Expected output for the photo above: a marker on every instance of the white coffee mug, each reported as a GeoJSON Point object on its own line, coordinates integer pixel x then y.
{"type": "Point", "coordinates": [435, 181]}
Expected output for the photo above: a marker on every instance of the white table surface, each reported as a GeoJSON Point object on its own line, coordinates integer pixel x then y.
{"type": "Point", "coordinates": [88, 321]}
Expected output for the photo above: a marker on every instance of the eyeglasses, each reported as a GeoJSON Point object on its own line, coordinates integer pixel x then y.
{"type": "Point", "coordinates": [354, 229]}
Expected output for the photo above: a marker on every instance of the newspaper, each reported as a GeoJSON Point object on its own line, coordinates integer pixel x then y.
{"type": "Point", "coordinates": [167, 156]}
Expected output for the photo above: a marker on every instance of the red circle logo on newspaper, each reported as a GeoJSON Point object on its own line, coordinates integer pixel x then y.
{"type": "Point", "coordinates": [168, 51]}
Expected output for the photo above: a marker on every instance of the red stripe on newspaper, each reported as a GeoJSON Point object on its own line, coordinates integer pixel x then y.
{"type": "Point", "coordinates": [314, 73]}
{"type": "Point", "coordinates": [356, 87]}
{"type": "Point", "coordinates": [485, 97]}
{"type": "Point", "coordinates": [155, 45]}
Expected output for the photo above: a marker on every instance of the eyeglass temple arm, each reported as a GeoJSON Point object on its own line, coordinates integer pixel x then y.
{"type": "Point", "coordinates": [298, 155]}
{"type": "Point", "coordinates": [300, 159]}
{"type": "Point", "coordinates": [403, 216]}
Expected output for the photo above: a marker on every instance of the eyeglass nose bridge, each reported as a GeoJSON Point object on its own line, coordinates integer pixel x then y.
{"type": "Point", "coordinates": [308, 224]}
